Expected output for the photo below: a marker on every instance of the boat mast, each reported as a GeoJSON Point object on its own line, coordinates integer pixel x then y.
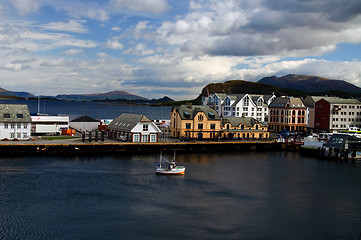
{"type": "Point", "coordinates": [160, 159]}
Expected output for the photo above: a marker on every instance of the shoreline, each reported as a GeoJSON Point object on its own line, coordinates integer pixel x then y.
{"type": "Point", "coordinates": [66, 148]}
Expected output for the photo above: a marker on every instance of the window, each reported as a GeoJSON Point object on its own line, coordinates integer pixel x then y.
{"type": "Point", "coordinates": [145, 128]}
{"type": "Point", "coordinates": [136, 137]}
{"type": "Point", "coordinates": [12, 125]}
{"type": "Point", "coordinates": [213, 126]}
{"type": "Point", "coordinates": [19, 115]}
{"type": "Point", "coordinates": [25, 125]}
{"type": "Point", "coordinates": [12, 135]}
{"type": "Point", "coordinates": [18, 135]}
{"type": "Point", "coordinates": [6, 125]}
{"type": "Point", "coordinates": [200, 118]}
{"type": "Point", "coordinates": [246, 102]}
{"type": "Point", "coordinates": [19, 125]}
{"type": "Point", "coordinates": [6, 115]}
{"type": "Point", "coordinates": [200, 126]}
{"type": "Point", "coordinates": [25, 135]}
{"type": "Point", "coordinates": [188, 126]}
{"type": "Point", "coordinates": [145, 138]}
{"type": "Point", "coordinates": [153, 137]}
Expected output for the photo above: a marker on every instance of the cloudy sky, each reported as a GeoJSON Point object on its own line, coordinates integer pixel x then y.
{"type": "Point", "coordinates": [155, 48]}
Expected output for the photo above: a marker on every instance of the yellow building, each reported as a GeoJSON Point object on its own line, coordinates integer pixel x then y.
{"type": "Point", "coordinates": [197, 121]}
{"type": "Point", "coordinates": [203, 122]}
{"type": "Point", "coordinates": [243, 128]}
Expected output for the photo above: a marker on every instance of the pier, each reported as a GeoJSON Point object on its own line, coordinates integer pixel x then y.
{"type": "Point", "coordinates": [80, 148]}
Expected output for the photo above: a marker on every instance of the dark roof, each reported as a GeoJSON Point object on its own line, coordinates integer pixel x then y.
{"type": "Point", "coordinates": [18, 113]}
{"type": "Point", "coordinates": [84, 119]}
{"type": "Point", "coordinates": [127, 121]}
{"type": "Point", "coordinates": [287, 102]}
{"type": "Point", "coordinates": [189, 112]}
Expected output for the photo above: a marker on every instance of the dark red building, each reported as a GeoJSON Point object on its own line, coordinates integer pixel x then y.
{"type": "Point", "coordinates": [322, 115]}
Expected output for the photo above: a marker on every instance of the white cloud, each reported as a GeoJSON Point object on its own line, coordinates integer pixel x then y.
{"type": "Point", "coordinates": [70, 26]}
{"type": "Point", "coordinates": [116, 29]}
{"type": "Point", "coordinates": [73, 51]}
{"type": "Point", "coordinates": [113, 44]}
{"type": "Point", "coordinates": [27, 6]}
{"type": "Point", "coordinates": [140, 49]}
{"type": "Point", "coordinates": [12, 67]}
{"type": "Point", "coordinates": [153, 6]}
{"type": "Point", "coordinates": [240, 28]}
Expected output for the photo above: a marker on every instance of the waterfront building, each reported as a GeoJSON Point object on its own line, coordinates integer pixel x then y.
{"type": "Point", "coordinates": [243, 128]}
{"type": "Point", "coordinates": [238, 105]}
{"type": "Point", "coordinates": [252, 105]}
{"type": "Point", "coordinates": [287, 113]}
{"type": "Point", "coordinates": [133, 128]}
{"type": "Point", "coordinates": [336, 114]}
{"type": "Point", "coordinates": [84, 123]}
{"type": "Point", "coordinates": [48, 125]}
{"type": "Point", "coordinates": [194, 121]}
{"type": "Point", "coordinates": [203, 122]}
{"type": "Point", "coordinates": [15, 122]}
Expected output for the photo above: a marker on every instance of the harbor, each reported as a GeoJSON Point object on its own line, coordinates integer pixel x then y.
{"type": "Point", "coordinates": [77, 147]}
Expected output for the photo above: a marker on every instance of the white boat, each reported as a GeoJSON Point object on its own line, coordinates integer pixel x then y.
{"type": "Point", "coordinates": [172, 169]}
{"type": "Point", "coordinates": [315, 141]}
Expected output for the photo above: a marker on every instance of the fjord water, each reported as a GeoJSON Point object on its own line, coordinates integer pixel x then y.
{"type": "Point", "coordinates": [270, 195]}
{"type": "Point", "coordinates": [97, 110]}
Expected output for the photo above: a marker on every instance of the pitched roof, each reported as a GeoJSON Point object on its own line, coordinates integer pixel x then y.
{"type": "Point", "coordinates": [287, 102]}
{"type": "Point", "coordinates": [15, 113]}
{"type": "Point", "coordinates": [189, 112]}
{"type": "Point", "coordinates": [84, 119]}
{"type": "Point", "coordinates": [127, 121]}
{"type": "Point", "coordinates": [342, 101]}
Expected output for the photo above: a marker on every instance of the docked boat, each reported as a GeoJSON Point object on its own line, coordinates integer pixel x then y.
{"type": "Point", "coordinates": [342, 146]}
{"type": "Point", "coordinates": [315, 141]}
{"type": "Point", "coordinates": [171, 169]}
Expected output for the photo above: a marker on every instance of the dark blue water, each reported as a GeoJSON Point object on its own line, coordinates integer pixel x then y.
{"type": "Point", "coordinates": [222, 196]}
{"type": "Point", "coordinates": [97, 110]}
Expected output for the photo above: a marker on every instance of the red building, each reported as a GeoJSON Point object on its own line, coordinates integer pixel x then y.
{"type": "Point", "coordinates": [322, 115]}
{"type": "Point", "coordinates": [287, 113]}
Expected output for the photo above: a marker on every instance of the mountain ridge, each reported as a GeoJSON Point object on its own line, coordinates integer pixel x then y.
{"type": "Point", "coordinates": [310, 84]}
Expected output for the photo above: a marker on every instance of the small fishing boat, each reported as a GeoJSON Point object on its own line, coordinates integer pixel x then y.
{"type": "Point", "coordinates": [172, 169]}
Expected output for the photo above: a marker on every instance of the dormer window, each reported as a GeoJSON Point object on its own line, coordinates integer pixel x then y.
{"type": "Point", "coordinates": [6, 115]}
{"type": "Point", "coordinates": [19, 115]}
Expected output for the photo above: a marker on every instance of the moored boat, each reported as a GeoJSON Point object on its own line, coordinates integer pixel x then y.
{"type": "Point", "coordinates": [172, 169]}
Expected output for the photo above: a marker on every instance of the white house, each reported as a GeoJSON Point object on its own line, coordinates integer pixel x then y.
{"type": "Point", "coordinates": [15, 122]}
{"type": "Point", "coordinates": [133, 128]}
{"type": "Point", "coordinates": [238, 105]}
{"type": "Point", "coordinates": [253, 105]}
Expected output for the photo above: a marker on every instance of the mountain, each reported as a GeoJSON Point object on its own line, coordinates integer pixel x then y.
{"type": "Point", "coordinates": [240, 86]}
{"type": "Point", "coordinates": [162, 100]}
{"type": "Point", "coordinates": [9, 94]}
{"type": "Point", "coordinates": [310, 84]}
{"type": "Point", "coordinates": [100, 96]}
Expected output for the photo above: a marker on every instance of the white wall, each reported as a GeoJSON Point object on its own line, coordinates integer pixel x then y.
{"type": "Point", "coordinates": [11, 133]}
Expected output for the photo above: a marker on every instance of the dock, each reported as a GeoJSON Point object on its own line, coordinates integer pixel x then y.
{"type": "Point", "coordinates": [98, 148]}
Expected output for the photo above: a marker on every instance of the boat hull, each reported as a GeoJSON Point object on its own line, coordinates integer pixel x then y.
{"type": "Point", "coordinates": [161, 171]}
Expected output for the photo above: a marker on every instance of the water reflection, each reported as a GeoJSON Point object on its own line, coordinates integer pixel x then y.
{"type": "Point", "coordinates": [221, 196]}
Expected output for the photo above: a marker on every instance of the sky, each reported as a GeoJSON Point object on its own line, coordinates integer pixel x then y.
{"type": "Point", "coordinates": [156, 48]}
